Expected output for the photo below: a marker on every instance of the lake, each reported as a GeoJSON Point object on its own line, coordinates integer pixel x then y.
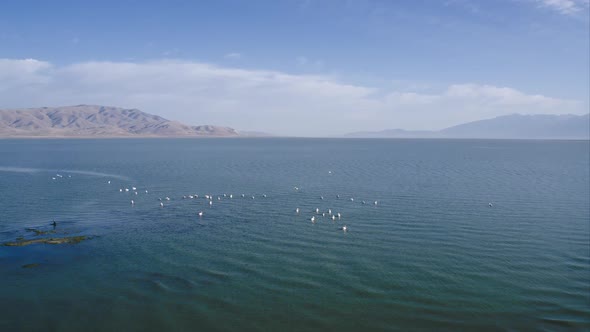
{"type": "Point", "coordinates": [465, 234]}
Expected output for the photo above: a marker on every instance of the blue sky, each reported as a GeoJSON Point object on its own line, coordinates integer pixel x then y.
{"type": "Point", "coordinates": [310, 68]}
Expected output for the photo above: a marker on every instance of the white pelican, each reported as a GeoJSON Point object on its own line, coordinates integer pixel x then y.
{"type": "Point", "coordinates": [333, 217]}
{"type": "Point", "coordinates": [344, 228]}
{"type": "Point", "coordinates": [231, 196]}
{"type": "Point", "coordinates": [490, 204]}
{"type": "Point", "coordinates": [120, 190]}
{"type": "Point", "coordinates": [126, 189]}
{"type": "Point", "coordinates": [322, 197]}
{"type": "Point", "coordinates": [218, 198]}
{"type": "Point", "coordinates": [375, 203]}
{"type": "Point", "coordinates": [134, 189]}
{"type": "Point", "coordinates": [296, 188]}
{"type": "Point", "coordinates": [167, 198]}
{"type": "Point", "coordinates": [339, 215]}
{"type": "Point", "coordinates": [329, 172]}
{"type": "Point", "coordinates": [224, 195]}
{"type": "Point", "coordinates": [323, 214]}
{"type": "Point", "coordinates": [136, 192]}
{"type": "Point", "coordinates": [252, 196]}
{"type": "Point", "coordinates": [329, 211]}
{"type": "Point", "coordinates": [200, 213]}
{"type": "Point", "coordinates": [317, 210]}
{"type": "Point", "coordinates": [297, 210]}
{"type": "Point", "coordinates": [210, 203]}
{"type": "Point", "coordinates": [146, 191]}
{"type": "Point", "coordinates": [161, 204]}
{"type": "Point", "coordinates": [109, 182]}
{"type": "Point", "coordinates": [352, 199]}
{"type": "Point", "coordinates": [243, 195]}
{"type": "Point", "coordinates": [312, 219]}
{"type": "Point", "coordinates": [264, 195]}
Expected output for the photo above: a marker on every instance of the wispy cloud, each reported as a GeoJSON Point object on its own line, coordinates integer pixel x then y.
{"type": "Point", "coordinates": [310, 105]}
{"type": "Point", "coordinates": [565, 7]}
{"type": "Point", "coordinates": [233, 56]}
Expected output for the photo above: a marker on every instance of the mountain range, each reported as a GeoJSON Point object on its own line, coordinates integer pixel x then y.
{"type": "Point", "coordinates": [106, 121]}
{"type": "Point", "coordinates": [513, 126]}
{"type": "Point", "coordinates": [97, 121]}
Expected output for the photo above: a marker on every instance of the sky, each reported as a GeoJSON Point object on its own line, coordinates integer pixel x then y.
{"type": "Point", "coordinates": [300, 67]}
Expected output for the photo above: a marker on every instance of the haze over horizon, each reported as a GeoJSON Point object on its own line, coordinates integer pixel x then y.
{"type": "Point", "coordinates": [301, 67]}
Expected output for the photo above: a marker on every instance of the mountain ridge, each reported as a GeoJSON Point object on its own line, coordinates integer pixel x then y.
{"type": "Point", "coordinates": [98, 121]}
{"type": "Point", "coordinates": [513, 126]}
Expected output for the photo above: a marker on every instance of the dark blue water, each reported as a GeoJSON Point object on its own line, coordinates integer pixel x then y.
{"type": "Point", "coordinates": [432, 254]}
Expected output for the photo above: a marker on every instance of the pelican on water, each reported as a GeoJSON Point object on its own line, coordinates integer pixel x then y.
{"type": "Point", "coordinates": [333, 217]}
{"type": "Point", "coordinates": [120, 190]}
{"type": "Point", "coordinates": [134, 189]}
{"type": "Point", "coordinates": [297, 210]}
{"type": "Point", "coordinates": [339, 215]}
{"type": "Point", "coordinates": [200, 213]}
{"type": "Point", "coordinates": [210, 203]}
{"type": "Point", "coordinates": [312, 219]}
{"type": "Point", "coordinates": [132, 202]}
{"type": "Point", "coordinates": [231, 196]}
{"type": "Point", "coordinates": [352, 199]}
{"type": "Point", "coordinates": [126, 189]}
{"type": "Point", "coordinates": [344, 228]}
{"type": "Point", "coordinates": [167, 198]}
{"type": "Point", "coordinates": [490, 204]}
{"type": "Point", "coordinates": [109, 182]}
{"type": "Point", "coordinates": [317, 210]}
{"type": "Point", "coordinates": [375, 203]}
{"type": "Point", "coordinates": [161, 204]}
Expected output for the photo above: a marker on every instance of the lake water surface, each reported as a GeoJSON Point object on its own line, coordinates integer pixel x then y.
{"type": "Point", "coordinates": [432, 254]}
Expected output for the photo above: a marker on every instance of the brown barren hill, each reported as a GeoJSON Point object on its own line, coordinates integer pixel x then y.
{"type": "Point", "coordinates": [98, 121]}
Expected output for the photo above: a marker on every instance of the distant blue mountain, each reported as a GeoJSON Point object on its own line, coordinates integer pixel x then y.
{"type": "Point", "coordinates": [509, 126]}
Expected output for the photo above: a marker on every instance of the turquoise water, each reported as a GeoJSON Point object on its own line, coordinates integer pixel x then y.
{"type": "Point", "coordinates": [432, 254]}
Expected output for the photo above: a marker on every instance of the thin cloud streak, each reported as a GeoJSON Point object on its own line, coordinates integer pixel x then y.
{"type": "Point", "coordinates": [565, 7]}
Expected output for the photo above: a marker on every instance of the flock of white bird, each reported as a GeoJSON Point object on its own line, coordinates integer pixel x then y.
{"type": "Point", "coordinates": [211, 198]}
{"type": "Point", "coordinates": [316, 213]}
